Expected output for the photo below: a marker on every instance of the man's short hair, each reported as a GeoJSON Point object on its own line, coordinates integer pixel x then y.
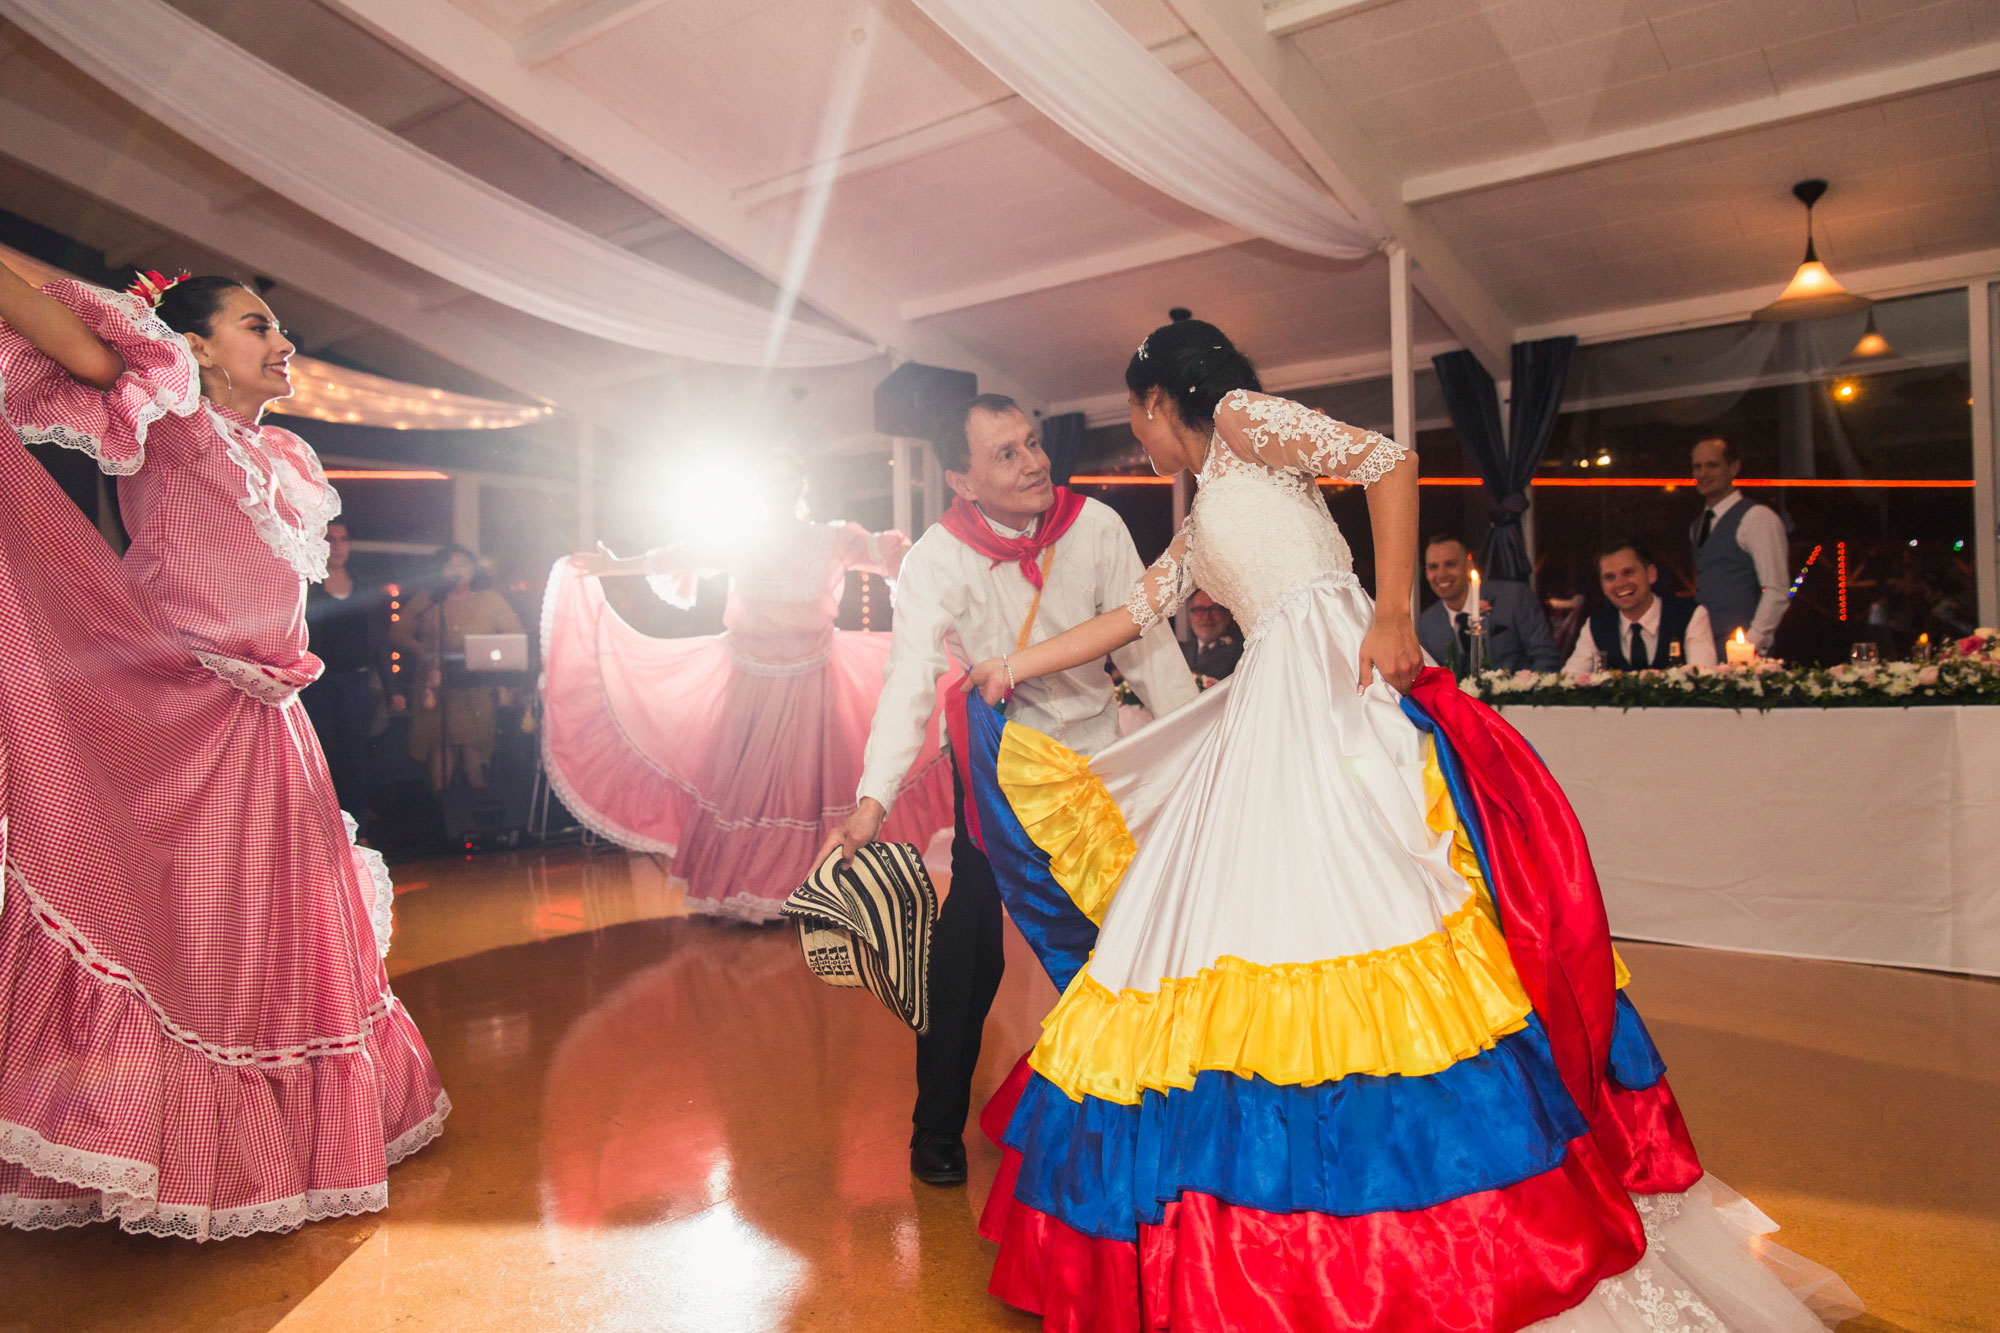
{"type": "Point", "coordinates": [1625, 544]}
{"type": "Point", "coordinates": [1729, 453]}
{"type": "Point", "coordinates": [1440, 538]}
{"type": "Point", "coordinates": [953, 450]}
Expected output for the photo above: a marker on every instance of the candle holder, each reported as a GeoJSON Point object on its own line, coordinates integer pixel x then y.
{"type": "Point", "coordinates": [1475, 638]}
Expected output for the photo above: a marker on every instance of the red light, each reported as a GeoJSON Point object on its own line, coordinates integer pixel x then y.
{"type": "Point", "coordinates": [1841, 552]}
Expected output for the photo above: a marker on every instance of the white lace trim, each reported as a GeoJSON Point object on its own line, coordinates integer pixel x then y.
{"type": "Point", "coordinates": [264, 684]}
{"type": "Point", "coordinates": [58, 928]}
{"type": "Point", "coordinates": [146, 324]}
{"type": "Point", "coordinates": [300, 542]}
{"type": "Point", "coordinates": [382, 906]}
{"type": "Point", "coordinates": [748, 908]}
{"type": "Point", "coordinates": [1170, 579]}
{"type": "Point", "coordinates": [75, 1166]}
{"type": "Point", "coordinates": [1285, 434]}
{"type": "Point", "coordinates": [138, 1211]}
{"type": "Point", "coordinates": [751, 666]}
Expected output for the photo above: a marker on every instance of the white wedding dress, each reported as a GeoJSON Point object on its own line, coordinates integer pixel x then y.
{"type": "Point", "coordinates": [1298, 1084]}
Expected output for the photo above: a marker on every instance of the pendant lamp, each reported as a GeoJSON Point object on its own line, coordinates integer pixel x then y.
{"type": "Point", "coordinates": [1872, 347]}
{"type": "Point", "coordinates": [1813, 293]}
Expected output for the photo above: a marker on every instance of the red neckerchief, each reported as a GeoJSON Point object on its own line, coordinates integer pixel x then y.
{"type": "Point", "coordinates": [964, 521]}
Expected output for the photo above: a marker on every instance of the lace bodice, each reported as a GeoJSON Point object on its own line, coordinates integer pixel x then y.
{"type": "Point", "coordinates": [1256, 530]}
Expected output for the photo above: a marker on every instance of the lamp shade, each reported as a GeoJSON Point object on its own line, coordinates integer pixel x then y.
{"type": "Point", "coordinates": [1813, 293]}
{"type": "Point", "coordinates": [1872, 345]}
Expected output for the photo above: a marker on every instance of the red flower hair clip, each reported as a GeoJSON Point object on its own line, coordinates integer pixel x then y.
{"type": "Point", "coordinates": [151, 285]}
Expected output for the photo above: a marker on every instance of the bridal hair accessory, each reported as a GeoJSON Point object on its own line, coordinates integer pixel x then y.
{"type": "Point", "coordinates": [1142, 346]}
{"type": "Point", "coordinates": [151, 286]}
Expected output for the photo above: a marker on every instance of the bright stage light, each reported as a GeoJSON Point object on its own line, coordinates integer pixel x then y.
{"type": "Point", "coordinates": [717, 501]}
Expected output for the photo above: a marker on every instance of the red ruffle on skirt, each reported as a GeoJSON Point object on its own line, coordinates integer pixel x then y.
{"type": "Point", "coordinates": [737, 768]}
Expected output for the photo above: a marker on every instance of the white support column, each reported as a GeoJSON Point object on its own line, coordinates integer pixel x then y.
{"type": "Point", "coordinates": [1402, 370]}
{"type": "Point", "coordinates": [465, 511]}
{"type": "Point", "coordinates": [1403, 378]}
{"type": "Point", "coordinates": [1181, 627]}
{"type": "Point", "coordinates": [933, 488]}
{"type": "Point", "coordinates": [586, 482]}
{"type": "Point", "coordinates": [1985, 407]}
{"type": "Point", "coordinates": [899, 484]}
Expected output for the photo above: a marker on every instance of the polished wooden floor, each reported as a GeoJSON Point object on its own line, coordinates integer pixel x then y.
{"type": "Point", "coordinates": [665, 1124]}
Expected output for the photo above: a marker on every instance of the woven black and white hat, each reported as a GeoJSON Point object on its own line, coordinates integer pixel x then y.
{"type": "Point", "coordinates": [868, 924]}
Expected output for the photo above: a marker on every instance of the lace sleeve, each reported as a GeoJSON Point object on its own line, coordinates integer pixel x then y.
{"type": "Point", "coordinates": [1168, 582]}
{"type": "Point", "coordinates": [1280, 433]}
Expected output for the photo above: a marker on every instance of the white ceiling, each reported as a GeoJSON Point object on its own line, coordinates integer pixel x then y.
{"type": "Point", "coordinates": [1544, 160]}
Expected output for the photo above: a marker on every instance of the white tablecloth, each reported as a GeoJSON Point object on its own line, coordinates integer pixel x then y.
{"type": "Point", "coordinates": [1865, 834]}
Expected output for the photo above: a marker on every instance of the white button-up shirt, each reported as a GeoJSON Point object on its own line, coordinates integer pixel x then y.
{"type": "Point", "coordinates": [1761, 535]}
{"type": "Point", "coordinates": [951, 602]}
{"type": "Point", "coordinates": [1697, 645]}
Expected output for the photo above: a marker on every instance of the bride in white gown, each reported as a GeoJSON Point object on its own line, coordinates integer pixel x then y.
{"type": "Point", "coordinates": [1303, 1081]}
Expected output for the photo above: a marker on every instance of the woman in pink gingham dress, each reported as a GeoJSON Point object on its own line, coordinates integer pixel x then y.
{"type": "Point", "coordinates": [197, 1035]}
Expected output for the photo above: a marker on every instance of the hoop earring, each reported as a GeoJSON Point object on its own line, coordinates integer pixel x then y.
{"type": "Point", "coordinates": [228, 384]}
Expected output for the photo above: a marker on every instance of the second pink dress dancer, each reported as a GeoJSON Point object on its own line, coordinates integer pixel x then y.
{"type": "Point", "coordinates": [734, 753]}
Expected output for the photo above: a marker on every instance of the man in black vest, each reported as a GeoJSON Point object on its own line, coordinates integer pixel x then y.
{"type": "Point", "coordinates": [1639, 630]}
{"type": "Point", "coordinates": [1741, 553]}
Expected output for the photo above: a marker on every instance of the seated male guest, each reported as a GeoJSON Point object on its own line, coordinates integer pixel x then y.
{"type": "Point", "coordinates": [1517, 633]}
{"type": "Point", "coordinates": [1639, 630]}
{"type": "Point", "coordinates": [1213, 650]}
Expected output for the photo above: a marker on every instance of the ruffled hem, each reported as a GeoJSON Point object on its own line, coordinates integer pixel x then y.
{"type": "Point", "coordinates": [1414, 1009]}
{"type": "Point", "coordinates": [47, 405]}
{"type": "Point", "coordinates": [1066, 811]}
{"type": "Point", "coordinates": [374, 872]}
{"type": "Point", "coordinates": [750, 908]}
{"type": "Point", "coordinates": [108, 1113]}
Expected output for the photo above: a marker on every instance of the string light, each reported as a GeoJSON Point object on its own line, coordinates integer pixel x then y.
{"type": "Point", "coordinates": [1640, 483]}
{"type": "Point", "coordinates": [1803, 571]}
{"type": "Point", "coordinates": [1842, 549]}
{"type": "Point", "coordinates": [326, 392]}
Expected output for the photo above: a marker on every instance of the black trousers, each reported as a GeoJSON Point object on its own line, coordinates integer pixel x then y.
{"type": "Point", "coordinates": [967, 958]}
{"type": "Point", "coordinates": [342, 709]}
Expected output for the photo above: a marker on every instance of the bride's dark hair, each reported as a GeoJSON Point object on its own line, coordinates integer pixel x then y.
{"type": "Point", "coordinates": [1194, 364]}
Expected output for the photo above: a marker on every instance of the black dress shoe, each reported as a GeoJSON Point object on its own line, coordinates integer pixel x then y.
{"type": "Point", "coordinates": [937, 1159]}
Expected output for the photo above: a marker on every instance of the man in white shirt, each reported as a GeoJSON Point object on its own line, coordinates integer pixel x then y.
{"type": "Point", "coordinates": [1741, 553]}
{"type": "Point", "coordinates": [965, 591]}
{"type": "Point", "coordinates": [1639, 630]}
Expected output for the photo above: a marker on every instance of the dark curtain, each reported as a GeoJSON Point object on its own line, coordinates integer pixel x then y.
{"type": "Point", "coordinates": [1062, 441]}
{"type": "Point", "coordinates": [1507, 463]}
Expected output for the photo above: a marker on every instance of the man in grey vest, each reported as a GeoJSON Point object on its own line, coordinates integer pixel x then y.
{"type": "Point", "coordinates": [1741, 553]}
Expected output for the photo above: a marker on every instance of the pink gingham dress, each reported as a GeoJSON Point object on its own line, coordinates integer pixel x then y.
{"type": "Point", "coordinates": [197, 1036]}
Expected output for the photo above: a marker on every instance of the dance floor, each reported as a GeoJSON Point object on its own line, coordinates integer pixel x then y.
{"type": "Point", "coordinates": [664, 1123]}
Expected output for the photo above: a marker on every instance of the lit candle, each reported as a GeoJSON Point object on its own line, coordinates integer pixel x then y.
{"type": "Point", "coordinates": [1742, 652]}
{"type": "Point", "coordinates": [1472, 603]}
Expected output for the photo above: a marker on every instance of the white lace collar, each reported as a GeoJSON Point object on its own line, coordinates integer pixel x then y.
{"type": "Point", "coordinates": [286, 496]}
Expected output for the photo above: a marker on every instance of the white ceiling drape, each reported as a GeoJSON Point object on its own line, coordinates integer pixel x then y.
{"type": "Point", "coordinates": [368, 181]}
{"type": "Point", "coordinates": [1077, 66]}
{"type": "Point", "coordinates": [336, 393]}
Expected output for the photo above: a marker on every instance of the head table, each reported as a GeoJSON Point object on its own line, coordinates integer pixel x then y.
{"type": "Point", "coordinates": [1867, 834]}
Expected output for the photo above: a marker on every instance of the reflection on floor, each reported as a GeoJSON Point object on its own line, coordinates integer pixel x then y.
{"type": "Point", "coordinates": [664, 1123]}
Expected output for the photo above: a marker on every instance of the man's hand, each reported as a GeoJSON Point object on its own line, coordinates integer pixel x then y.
{"type": "Point", "coordinates": [858, 828]}
{"type": "Point", "coordinates": [1391, 647]}
{"type": "Point", "coordinates": [989, 678]}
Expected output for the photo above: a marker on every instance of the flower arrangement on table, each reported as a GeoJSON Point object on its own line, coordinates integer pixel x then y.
{"type": "Point", "coordinates": [1968, 672]}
